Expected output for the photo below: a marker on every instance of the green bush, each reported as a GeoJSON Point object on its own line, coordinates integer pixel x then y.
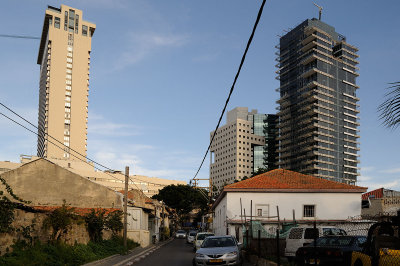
{"type": "Point", "coordinates": [58, 253]}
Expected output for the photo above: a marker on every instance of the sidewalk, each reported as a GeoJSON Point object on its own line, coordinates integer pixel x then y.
{"type": "Point", "coordinates": [133, 255]}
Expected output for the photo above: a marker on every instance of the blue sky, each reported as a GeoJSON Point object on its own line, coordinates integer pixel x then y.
{"type": "Point", "coordinates": [161, 72]}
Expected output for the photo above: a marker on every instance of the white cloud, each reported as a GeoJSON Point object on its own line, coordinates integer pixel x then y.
{"type": "Point", "coordinates": [114, 129]}
{"type": "Point", "coordinates": [141, 45]}
{"type": "Point", "coordinates": [391, 171]}
{"type": "Point", "coordinates": [367, 169]}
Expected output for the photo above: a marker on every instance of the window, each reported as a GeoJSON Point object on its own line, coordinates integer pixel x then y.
{"type": "Point", "coordinates": [259, 212]}
{"type": "Point", "coordinates": [84, 30]}
{"type": "Point", "coordinates": [309, 211]}
{"type": "Point", "coordinates": [57, 22]}
{"type": "Point", "coordinates": [76, 23]}
{"type": "Point", "coordinates": [65, 20]}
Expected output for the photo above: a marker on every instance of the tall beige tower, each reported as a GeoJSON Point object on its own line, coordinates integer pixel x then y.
{"type": "Point", "coordinates": [64, 59]}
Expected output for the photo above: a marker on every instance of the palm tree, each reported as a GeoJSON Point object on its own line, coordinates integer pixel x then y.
{"type": "Point", "coordinates": [390, 108]}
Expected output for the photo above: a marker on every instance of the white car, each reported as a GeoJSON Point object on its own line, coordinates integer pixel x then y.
{"type": "Point", "coordinates": [180, 234]}
{"type": "Point", "coordinates": [199, 239]}
{"type": "Point", "coordinates": [191, 236]}
{"type": "Point", "coordinates": [300, 236]}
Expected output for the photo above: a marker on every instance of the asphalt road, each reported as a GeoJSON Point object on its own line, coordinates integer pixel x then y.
{"type": "Point", "coordinates": [175, 253]}
{"type": "Point", "coordinates": [172, 253]}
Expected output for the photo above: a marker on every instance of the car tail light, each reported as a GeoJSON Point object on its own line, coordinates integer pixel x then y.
{"type": "Point", "coordinates": [338, 253]}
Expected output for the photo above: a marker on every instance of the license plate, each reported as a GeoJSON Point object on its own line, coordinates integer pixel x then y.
{"type": "Point", "coordinates": [313, 261]}
{"type": "Point", "coordinates": [215, 260]}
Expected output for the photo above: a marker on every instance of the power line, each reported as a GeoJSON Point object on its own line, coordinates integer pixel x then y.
{"type": "Point", "coordinates": [19, 37]}
{"type": "Point", "coordinates": [233, 84]}
{"type": "Point", "coordinates": [9, 118]}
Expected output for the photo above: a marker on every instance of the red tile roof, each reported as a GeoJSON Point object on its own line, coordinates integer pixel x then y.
{"type": "Point", "coordinates": [286, 180]}
{"type": "Point", "coordinates": [78, 211]}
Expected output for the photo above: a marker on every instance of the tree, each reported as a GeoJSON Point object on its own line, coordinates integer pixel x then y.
{"type": "Point", "coordinates": [259, 171]}
{"type": "Point", "coordinates": [60, 220]}
{"type": "Point", "coordinates": [183, 198]}
{"type": "Point", "coordinates": [114, 222]}
{"type": "Point", "coordinates": [390, 108]}
{"type": "Point", "coordinates": [7, 207]}
{"type": "Point", "coordinates": [95, 221]}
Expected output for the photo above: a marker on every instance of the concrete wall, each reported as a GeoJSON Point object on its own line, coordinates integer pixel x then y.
{"type": "Point", "coordinates": [76, 234]}
{"type": "Point", "coordinates": [47, 184]}
{"type": "Point", "coordinates": [140, 236]}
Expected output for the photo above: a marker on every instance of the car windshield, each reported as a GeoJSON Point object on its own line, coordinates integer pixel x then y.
{"type": "Point", "coordinates": [218, 242]}
{"type": "Point", "coordinates": [192, 233]}
{"type": "Point", "coordinates": [202, 236]}
{"type": "Point", "coordinates": [334, 241]}
{"type": "Point", "coordinates": [180, 231]}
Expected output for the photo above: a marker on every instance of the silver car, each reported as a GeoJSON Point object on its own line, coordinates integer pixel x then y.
{"type": "Point", "coordinates": [219, 250]}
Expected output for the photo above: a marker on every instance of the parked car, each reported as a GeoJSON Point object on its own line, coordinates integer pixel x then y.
{"type": "Point", "coordinates": [180, 234]}
{"type": "Point", "coordinates": [199, 239]}
{"type": "Point", "coordinates": [219, 250]}
{"type": "Point", "coordinates": [330, 250]}
{"type": "Point", "coordinates": [191, 236]}
{"type": "Point", "coordinates": [300, 236]}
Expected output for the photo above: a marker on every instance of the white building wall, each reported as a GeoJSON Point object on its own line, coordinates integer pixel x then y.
{"type": "Point", "coordinates": [219, 220]}
{"type": "Point", "coordinates": [328, 206]}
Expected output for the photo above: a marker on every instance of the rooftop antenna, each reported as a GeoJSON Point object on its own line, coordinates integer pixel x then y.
{"type": "Point", "coordinates": [320, 10]}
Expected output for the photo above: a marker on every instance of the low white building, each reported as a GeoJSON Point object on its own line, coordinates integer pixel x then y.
{"type": "Point", "coordinates": [293, 195]}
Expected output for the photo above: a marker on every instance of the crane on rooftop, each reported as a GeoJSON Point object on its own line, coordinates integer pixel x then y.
{"type": "Point", "coordinates": [320, 10]}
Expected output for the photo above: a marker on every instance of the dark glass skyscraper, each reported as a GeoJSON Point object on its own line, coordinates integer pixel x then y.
{"type": "Point", "coordinates": [265, 156]}
{"type": "Point", "coordinates": [318, 116]}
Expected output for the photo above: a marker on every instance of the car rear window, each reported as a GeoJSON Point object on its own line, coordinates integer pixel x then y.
{"type": "Point", "coordinates": [218, 242]}
{"type": "Point", "coordinates": [296, 233]}
{"type": "Point", "coordinates": [334, 241]}
{"type": "Point", "coordinates": [192, 233]}
{"type": "Point", "coordinates": [202, 236]}
{"type": "Point", "coordinates": [180, 231]}
{"type": "Point", "coordinates": [311, 233]}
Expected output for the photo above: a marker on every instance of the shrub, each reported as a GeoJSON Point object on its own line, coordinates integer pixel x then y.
{"type": "Point", "coordinates": [60, 220]}
{"type": "Point", "coordinates": [95, 224]}
{"type": "Point", "coordinates": [114, 222]}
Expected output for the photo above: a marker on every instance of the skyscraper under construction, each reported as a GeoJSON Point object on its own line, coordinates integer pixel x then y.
{"type": "Point", "coordinates": [318, 109]}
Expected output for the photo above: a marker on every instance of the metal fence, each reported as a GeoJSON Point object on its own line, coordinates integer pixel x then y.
{"type": "Point", "coordinates": [369, 241]}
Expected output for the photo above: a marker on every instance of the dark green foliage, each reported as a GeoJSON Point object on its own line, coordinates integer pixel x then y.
{"type": "Point", "coordinates": [7, 207]}
{"type": "Point", "coordinates": [114, 222]}
{"type": "Point", "coordinates": [183, 198]}
{"type": "Point", "coordinates": [390, 108]}
{"type": "Point", "coordinates": [259, 172]}
{"type": "Point", "coordinates": [61, 254]}
{"type": "Point", "coordinates": [27, 231]}
{"type": "Point", "coordinates": [60, 220]}
{"type": "Point", "coordinates": [95, 221]}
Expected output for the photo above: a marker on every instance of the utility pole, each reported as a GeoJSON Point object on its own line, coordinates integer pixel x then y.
{"type": "Point", "coordinates": [126, 206]}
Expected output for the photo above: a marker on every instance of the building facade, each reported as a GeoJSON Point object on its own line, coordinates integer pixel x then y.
{"type": "Point", "coordinates": [318, 113]}
{"type": "Point", "coordinates": [283, 195]}
{"type": "Point", "coordinates": [242, 146]}
{"type": "Point", "coordinates": [64, 59]}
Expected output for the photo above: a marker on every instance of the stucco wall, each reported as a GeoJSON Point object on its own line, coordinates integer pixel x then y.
{"type": "Point", "coordinates": [47, 184]}
{"type": "Point", "coordinates": [328, 206]}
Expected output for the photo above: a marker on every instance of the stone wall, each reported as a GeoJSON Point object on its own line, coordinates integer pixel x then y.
{"type": "Point", "coordinates": [76, 234]}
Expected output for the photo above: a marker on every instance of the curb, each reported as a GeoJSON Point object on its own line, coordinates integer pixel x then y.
{"type": "Point", "coordinates": [141, 253]}
{"type": "Point", "coordinates": [147, 251]}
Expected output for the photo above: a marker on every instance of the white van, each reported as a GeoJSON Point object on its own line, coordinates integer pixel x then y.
{"type": "Point", "coordinates": [301, 236]}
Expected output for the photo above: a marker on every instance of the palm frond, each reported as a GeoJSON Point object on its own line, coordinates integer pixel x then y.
{"type": "Point", "coordinates": [390, 109]}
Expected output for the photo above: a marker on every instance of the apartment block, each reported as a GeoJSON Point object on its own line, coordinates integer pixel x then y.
{"type": "Point", "coordinates": [318, 106]}
{"type": "Point", "coordinates": [64, 59]}
{"type": "Point", "coordinates": [243, 145]}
